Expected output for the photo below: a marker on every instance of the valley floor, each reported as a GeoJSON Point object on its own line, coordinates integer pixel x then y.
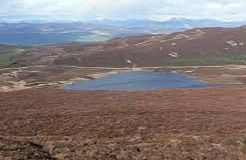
{"type": "Point", "coordinates": [185, 124]}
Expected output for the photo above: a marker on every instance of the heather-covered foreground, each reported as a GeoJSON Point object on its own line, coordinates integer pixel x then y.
{"type": "Point", "coordinates": [166, 124]}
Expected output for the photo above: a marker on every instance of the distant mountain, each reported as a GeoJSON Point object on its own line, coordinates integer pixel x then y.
{"type": "Point", "coordinates": [174, 24]}
{"type": "Point", "coordinates": [189, 24]}
{"type": "Point", "coordinates": [42, 33]}
{"type": "Point", "coordinates": [53, 33]}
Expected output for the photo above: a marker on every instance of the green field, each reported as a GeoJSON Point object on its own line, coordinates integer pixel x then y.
{"type": "Point", "coordinates": [226, 59]}
{"type": "Point", "coordinates": [6, 57]}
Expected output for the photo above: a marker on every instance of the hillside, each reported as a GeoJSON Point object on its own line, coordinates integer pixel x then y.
{"type": "Point", "coordinates": [202, 49]}
{"type": "Point", "coordinates": [201, 46]}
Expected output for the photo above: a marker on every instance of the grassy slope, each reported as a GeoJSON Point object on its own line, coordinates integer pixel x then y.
{"type": "Point", "coordinates": [6, 57]}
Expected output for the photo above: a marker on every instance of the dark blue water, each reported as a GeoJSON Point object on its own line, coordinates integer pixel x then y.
{"type": "Point", "coordinates": [138, 80]}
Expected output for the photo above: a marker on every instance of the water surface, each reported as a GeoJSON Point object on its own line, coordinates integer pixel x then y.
{"type": "Point", "coordinates": [138, 80]}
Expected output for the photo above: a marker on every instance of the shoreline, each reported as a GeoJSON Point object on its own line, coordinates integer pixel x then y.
{"type": "Point", "coordinates": [214, 75]}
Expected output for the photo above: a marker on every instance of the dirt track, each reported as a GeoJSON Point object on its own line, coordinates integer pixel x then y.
{"type": "Point", "coordinates": [167, 124]}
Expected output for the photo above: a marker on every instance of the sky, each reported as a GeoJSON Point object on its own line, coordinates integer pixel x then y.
{"type": "Point", "coordinates": [227, 10]}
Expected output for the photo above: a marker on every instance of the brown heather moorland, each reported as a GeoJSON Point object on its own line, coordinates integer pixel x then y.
{"type": "Point", "coordinates": [189, 124]}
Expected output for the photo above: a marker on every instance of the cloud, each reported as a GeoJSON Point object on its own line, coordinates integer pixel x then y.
{"type": "Point", "coordinates": [125, 9]}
